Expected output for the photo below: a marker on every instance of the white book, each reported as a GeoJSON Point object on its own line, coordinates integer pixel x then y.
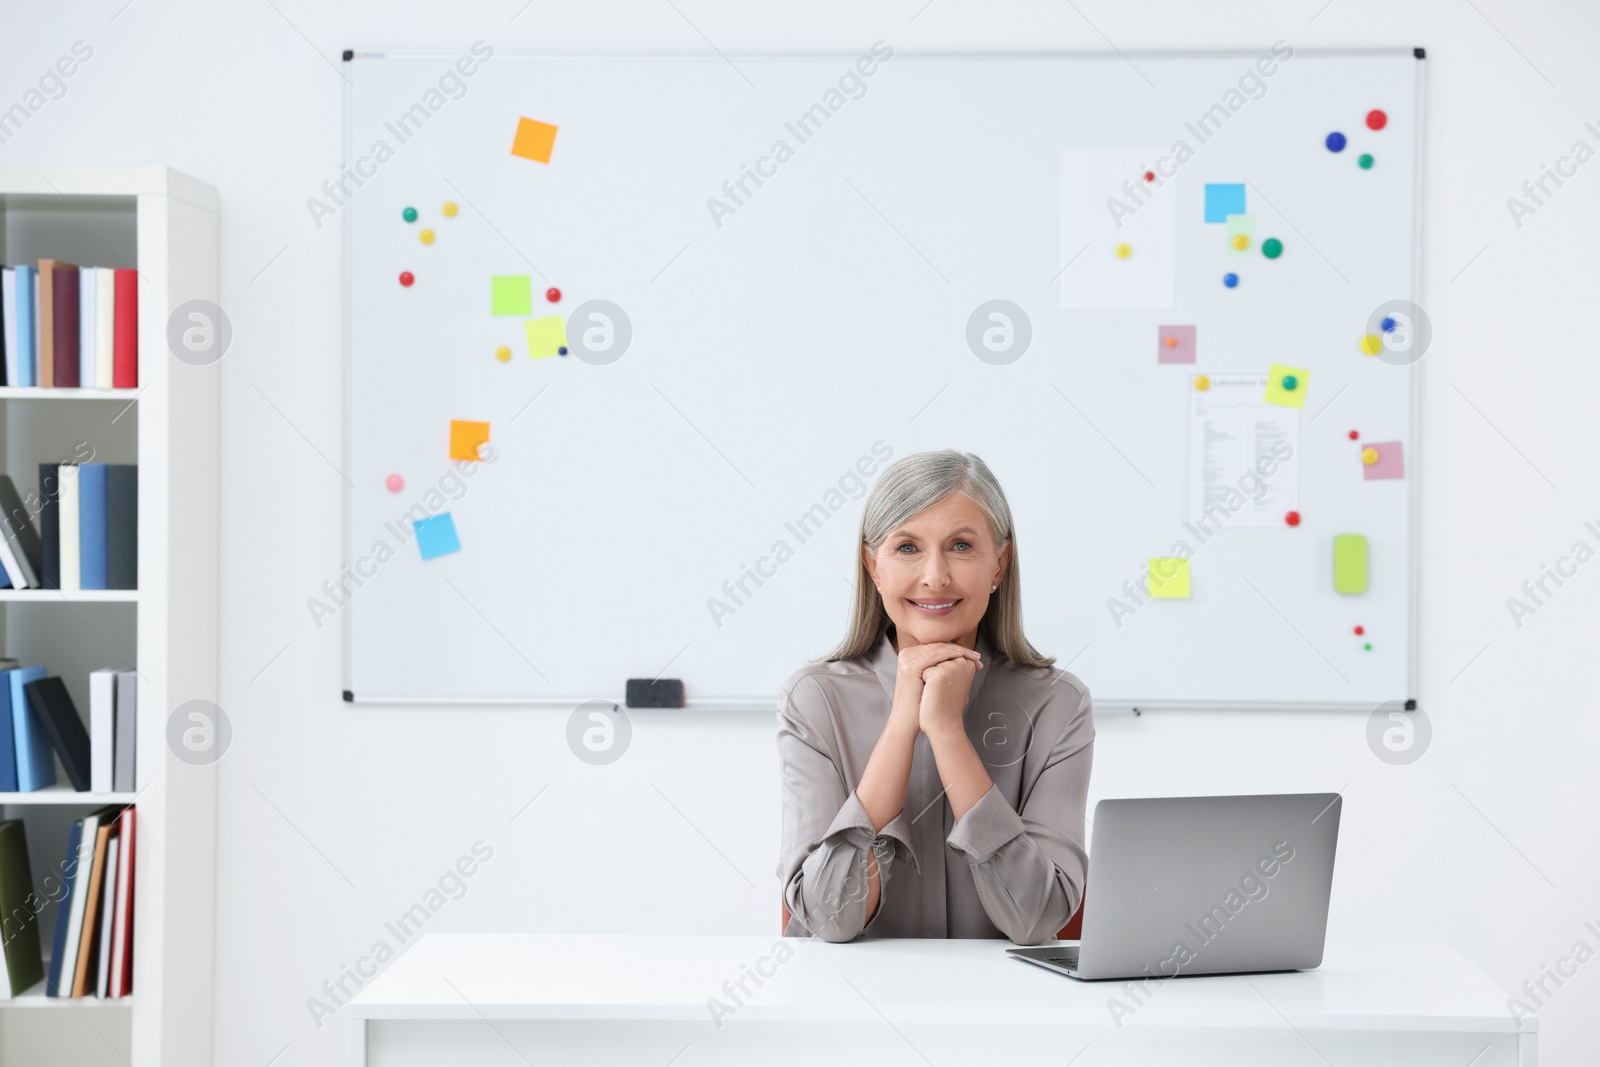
{"type": "Point", "coordinates": [87, 309]}
{"type": "Point", "coordinates": [108, 902]}
{"type": "Point", "coordinates": [8, 562]}
{"type": "Point", "coordinates": [67, 502]}
{"type": "Point", "coordinates": [105, 296]}
{"type": "Point", "coordinates": [8, 307]}
{"type": "Point", "coordinates": [102, 728]}
{"type": "Point", "coordinates": [77, 903]}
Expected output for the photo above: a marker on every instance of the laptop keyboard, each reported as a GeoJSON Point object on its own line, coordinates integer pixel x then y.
{"type": "Point", "coordinates": [1067, 957]}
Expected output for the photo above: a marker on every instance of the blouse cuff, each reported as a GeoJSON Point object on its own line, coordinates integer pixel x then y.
{"type": "Point", "coordinates": [986, 826]}
{"type": "Point", "coordinates": [855, 825]}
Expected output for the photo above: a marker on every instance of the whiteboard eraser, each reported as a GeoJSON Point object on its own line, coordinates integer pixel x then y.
{"type": "Point", "coordinates": [661, 693]}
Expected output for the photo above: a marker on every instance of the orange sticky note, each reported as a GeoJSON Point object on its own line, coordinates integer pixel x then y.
{"type": "Point", "coordinates": [465, 437]}
{"type": "Point", "coordinates": [534, 140]}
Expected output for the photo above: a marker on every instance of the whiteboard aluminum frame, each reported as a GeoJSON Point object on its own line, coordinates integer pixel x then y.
{"type": "Point", "coordinates": [768, 704]}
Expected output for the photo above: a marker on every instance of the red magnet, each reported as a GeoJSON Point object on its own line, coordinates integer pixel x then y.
{"type": "Point", "coordinates": [1360, 630]}
{"type": "Point", "coordinates": [1354, 436]}
{"type": "Point", "coordinates": [406, 277]}
{"type": "Point", "coordinates": [1293, 518]}
{"type": "Point", "coordinates": [1376, 120]}
{"type": "Point", "coordinates": [1149, 175]}
{"type": "Point", "coordinates": [552, 294]}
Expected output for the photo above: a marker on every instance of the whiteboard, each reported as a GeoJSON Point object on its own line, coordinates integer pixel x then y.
{"type": "Point", "coordinates": [640, 511]}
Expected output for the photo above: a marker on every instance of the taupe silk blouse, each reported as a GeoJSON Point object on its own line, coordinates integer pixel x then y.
{"type": "Point", "coordinates": [1013, 866]}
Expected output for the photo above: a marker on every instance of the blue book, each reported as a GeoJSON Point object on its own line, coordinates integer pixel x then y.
{"type": "Point", "coordinates": [27, 324]}
{"type": "Point", "coordinates": [92, 526]}
{"type": "Point", "coordinates": [69, 871]}
{"type": "Point", "coordinates": [36, 759]}
{"type": "Point", "coordinates": [8, 745]}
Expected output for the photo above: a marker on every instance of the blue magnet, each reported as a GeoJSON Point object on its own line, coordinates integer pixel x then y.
{"type": "Point", "coordinates": [1336, 141]}
{"type": "Point", "coordinates": [1231, 281]}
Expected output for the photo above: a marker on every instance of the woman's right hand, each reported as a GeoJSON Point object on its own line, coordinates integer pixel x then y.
{"type": "Point", "coordinates": [918, 658]}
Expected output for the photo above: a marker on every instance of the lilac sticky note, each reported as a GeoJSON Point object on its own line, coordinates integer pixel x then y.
{"type": "Point", "coordinates": [1175, 344]}
{"type": "Point", "coordinates": [1391, 461]}
{"type": "Point", "coordinates": [436, 536]}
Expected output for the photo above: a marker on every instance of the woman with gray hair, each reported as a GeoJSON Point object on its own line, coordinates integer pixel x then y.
{"type": "Point", "coordinates": [935, 766]}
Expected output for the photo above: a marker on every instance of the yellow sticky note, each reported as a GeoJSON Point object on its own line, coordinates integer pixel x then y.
{"type": "Point", "coordinates": [535, 140]}
{"type": "Point", "coordinates": [465, 437]}
{"type": "Point", "coordinates": [546, 336]}
{"type": "Point", "coordinates": [1168, 578]}
{"type": "Point", "coordinates": [1286, 386]}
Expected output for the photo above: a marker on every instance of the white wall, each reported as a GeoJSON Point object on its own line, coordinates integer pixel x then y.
{"type": "Point", "coordinates": [336, 819]}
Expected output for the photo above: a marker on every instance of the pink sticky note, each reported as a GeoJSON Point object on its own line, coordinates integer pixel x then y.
{"type": "Point", "coordinates": [1175, 344]}
{"type": "Point", "coordinates": [1391, 461]}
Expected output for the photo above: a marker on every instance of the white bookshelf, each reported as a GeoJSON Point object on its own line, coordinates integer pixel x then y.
{"type": "Point", "coordinates": [166, 222]}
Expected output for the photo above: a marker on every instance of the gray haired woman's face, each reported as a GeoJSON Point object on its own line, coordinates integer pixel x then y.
{"type": "Point", "coordinates": [935, 572]}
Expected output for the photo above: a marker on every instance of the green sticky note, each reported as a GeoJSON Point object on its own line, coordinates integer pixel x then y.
{"type": "Point", "coordinates": [1168, 578]}
{"type": "Point", "coordinates": [546, 336]}
{"type": "Point", "coordinates": [511, 294]}
{"type": "Point", "coordinates": [1241, 226]}
{"type": "Point", "coordinates": [1349, 563]}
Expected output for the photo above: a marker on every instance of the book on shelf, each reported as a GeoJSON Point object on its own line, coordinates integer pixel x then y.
{"type": "Point", "coordinates": [102, 729]}
{"type": "Point", "coordinates": [35, 759]}
{"type": "Point", "coordinates": [52, 704]}
{"type": "Point", "coordinates": [19, 543]}
{"type": "Point", "coordinates": [85, 976]}
{"type": "Point", "coordinates": [69, 882]}
{"type": "Point", "coordinates": [108, 909]}
{"type": "Point", "coordinates": [89, 514]}
{"type": "Point", "coordinates": [49, 525]}
{"type": "Point", "coordinates": [120, 980]}
{"type": "Point", "coordinates": [125, 743]}
{"type": "Point", "coordinates": [65, 357]}
{"type": "Point", "coordinates": [38, 722]}
{"type": "Point", "coordinates": [21, 958]}
{"type": "Point", "coordinates": [8, 321]}
{"type": "Point", "coordinates": [67, 525]}
{"type": "Point", "coordinates": [92, 947]}
{"type": "Point", "coordinates": [68, 326]}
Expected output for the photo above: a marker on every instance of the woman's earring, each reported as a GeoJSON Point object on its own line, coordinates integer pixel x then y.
{"type": "Point", "coordinates": [992, 588]}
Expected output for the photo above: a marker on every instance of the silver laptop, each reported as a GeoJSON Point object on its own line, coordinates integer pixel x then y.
{"type": "Point", "coordinates": [1203, 885]}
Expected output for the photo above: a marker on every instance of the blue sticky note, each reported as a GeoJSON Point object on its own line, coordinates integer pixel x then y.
{"type": "Point", "coordinates": [1224, 200]}
{"type": "Point", "coordinates": [436, 536]}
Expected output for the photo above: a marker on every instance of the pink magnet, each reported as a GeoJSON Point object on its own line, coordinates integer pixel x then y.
{"type": "Point", "coordinates": [395, 483]}
{"type": "Point", "coordinates": [1175, 344]}
{"type": "Point", "coordinates": [1391, 462]}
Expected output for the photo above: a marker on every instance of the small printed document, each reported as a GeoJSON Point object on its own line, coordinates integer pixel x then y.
{"type": "Point", "coordinates": [1235, 436]}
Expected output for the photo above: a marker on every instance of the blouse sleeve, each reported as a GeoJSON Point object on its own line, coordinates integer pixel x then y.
{"type": "Point", "coordinates": [1030, 864]}
{"type": "Point", "coordinates": [826, 832]}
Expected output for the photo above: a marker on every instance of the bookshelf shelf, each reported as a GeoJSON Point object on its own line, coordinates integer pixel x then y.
{"type": "Point", "coordinates": [34, 997]}
{"type": "Point", "coordinates": [63, 793]}
{"type": "Point", "coordinates": [165, 224]}
{"type": "Point", "coordinates": [76, 596]}
{"type": "Point", "coordinates": [32, 392]}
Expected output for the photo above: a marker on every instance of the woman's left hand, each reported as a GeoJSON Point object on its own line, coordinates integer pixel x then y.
{"type": "Point", "coordinates": [945, 688]}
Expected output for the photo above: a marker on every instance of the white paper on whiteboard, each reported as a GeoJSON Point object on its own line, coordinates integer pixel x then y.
{"type": "Point", "coordinates": [1235, 436]}
{"type": "Point", "coordinates": [1094, 182]}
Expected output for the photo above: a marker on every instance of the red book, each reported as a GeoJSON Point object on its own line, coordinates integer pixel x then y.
{"type": "Point", "coordinates": [125, 336]}
{"type": "Point", "coordinates": [64, 336]}
{"type": "Point", "coordinates": [121, 948]}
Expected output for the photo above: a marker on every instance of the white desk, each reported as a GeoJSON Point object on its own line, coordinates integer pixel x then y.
{"type": "Point", "coordinates": [515, 999]}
